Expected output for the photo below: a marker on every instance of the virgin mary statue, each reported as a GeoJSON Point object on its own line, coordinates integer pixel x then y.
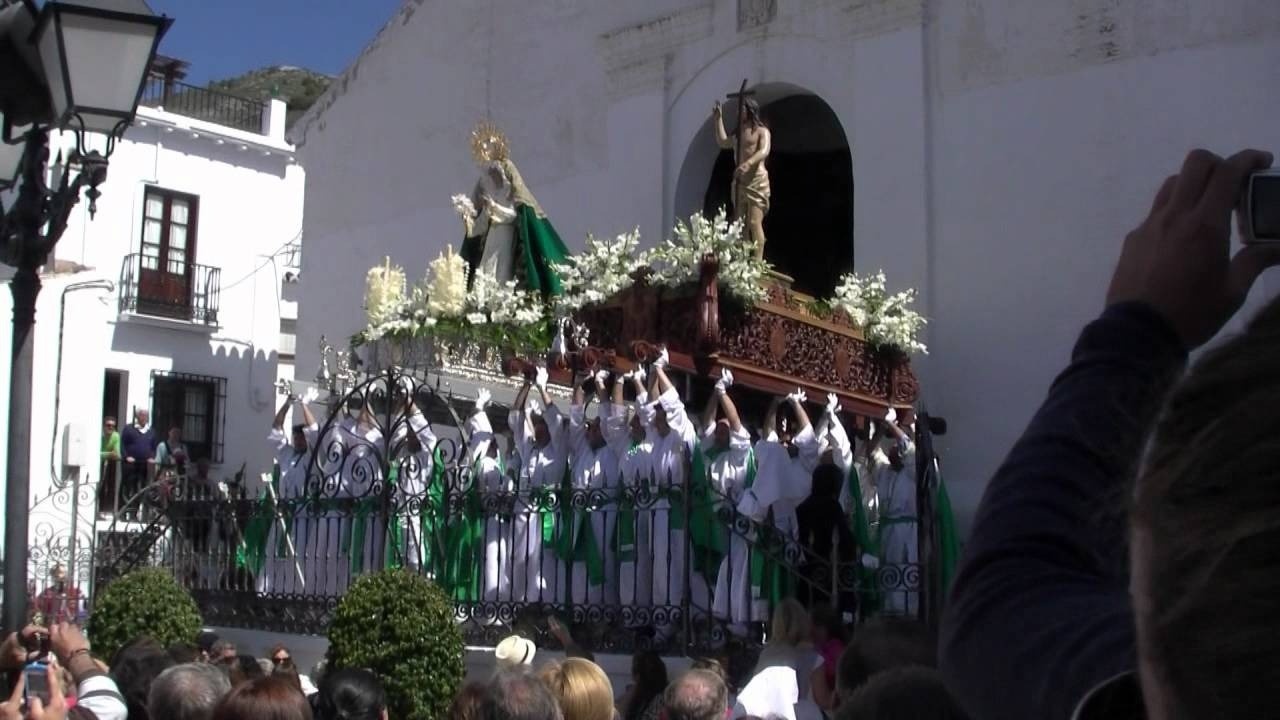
{"type": "Point", "coordinates": [506, 233]}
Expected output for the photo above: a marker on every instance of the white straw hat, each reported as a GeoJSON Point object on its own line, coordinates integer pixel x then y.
{"type": "Point", "coordinates": [515, 651]}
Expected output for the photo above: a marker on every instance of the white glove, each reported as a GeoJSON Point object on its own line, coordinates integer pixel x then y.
{"type": "Point", "coordinates": [870, 561]}
{"type": "Point", "coordinates": [798, 396]}
{"type": "Point", "coordinates": [663, 359]}
{"type": "Point", "coordinates": [639, 374]}
{"type": "Point", "coordinates": [540, 379]}
{"type": "Point", "coordinates": [891, 416]}
{"type": "Point", "coordinates": [725, 382]}
{"type": "Point", "coordinates": [833, 404]}
{"type": "Point", "coordinates": [483, 396]}
{"type": "Point", "coordinates": [601, 376]}
{"type": "Point", "coordinates": [310, 396]}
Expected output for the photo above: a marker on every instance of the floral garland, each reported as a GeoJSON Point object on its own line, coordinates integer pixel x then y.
{"type": "Point", "coordinates": [886, 320]}
{"type": "Point", "coordinates": [677, 261]}
{"type": "Point", "coordinates": [600, 271]}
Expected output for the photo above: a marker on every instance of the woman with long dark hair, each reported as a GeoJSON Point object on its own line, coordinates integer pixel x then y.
{"type": "Point", "coordinates": [643, 700]}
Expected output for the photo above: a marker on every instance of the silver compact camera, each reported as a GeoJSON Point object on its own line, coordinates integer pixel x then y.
{"type": "Point", "coordinates": [1262, 207]}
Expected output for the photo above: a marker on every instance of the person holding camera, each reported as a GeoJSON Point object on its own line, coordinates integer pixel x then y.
{"type": "Point", "coordinates": [36, 691]}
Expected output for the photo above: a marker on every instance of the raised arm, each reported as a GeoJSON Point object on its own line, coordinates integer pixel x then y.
{"type": "Point", "coordinates": [797, 400]}
{"type": "Point", "coordinates": [278, 422]}
{"type": "Point", "coordinates": [578, 418]}
{"type": "Point", "coordinates": [726, 403]}
{"type": "Point", "coordinates": [479, 429]}
{"type": "Point", "coordinates": [1040, 612]}
{"type": "Point", "coordinates": [831, 427]}
{"type": "Point", "coordinates": [717, 122]}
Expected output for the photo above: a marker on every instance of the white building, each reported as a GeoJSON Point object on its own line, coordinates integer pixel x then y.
{"type": "Point", "coordinates": [169, 300]}
{"type": "Point", "coordinates": [1000, 151]}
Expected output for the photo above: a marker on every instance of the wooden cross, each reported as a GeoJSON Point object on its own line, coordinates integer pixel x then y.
{"type": "Point", "coordinates": [741, 96]}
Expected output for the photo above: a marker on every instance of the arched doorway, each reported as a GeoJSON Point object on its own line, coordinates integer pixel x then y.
{"type": "Point", "coordinates": [810, 222]}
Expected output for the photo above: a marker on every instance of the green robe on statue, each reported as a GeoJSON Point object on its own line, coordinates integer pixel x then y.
{"type": "Point", "coordinates": [537, 246]}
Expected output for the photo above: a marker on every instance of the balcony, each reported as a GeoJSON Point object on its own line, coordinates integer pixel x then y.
{"type": "Point", "coordinates": [204, 104]}
{"type": "Point", "coordinates": [181, 291]}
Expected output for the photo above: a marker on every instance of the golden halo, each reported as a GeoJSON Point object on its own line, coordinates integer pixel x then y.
{"type": "Point", "coordinates": [488, 143]}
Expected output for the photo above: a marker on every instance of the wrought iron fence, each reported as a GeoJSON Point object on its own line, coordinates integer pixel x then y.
{"type": "Point", "coordinates": [204, 104]}
{"type": "Point", "coordinates": [645, 562]}
{"type": "Point", "coordinates": [191, 294]}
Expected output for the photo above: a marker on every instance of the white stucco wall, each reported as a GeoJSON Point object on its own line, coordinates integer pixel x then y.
{"type": "Point", "coordinates": [250, 191]}
{"type": "Point", "coordinates": [1000, 150]}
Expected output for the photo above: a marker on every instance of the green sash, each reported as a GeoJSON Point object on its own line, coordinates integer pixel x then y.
{"type": "Point", "coordinates": [624, 534]}
{"type": "Point", "coordinates": [354, 544]}
{"type": "Point", "coordinates": [251, 552]}
{"type": "Point", "coordinates": [708, 543]}
{"type": "Point", "coordinates": [867, 581]}
{"type": "Point", "coordinates": [948, 538]}
{"type": "Point", "coordinates": [466, 543]}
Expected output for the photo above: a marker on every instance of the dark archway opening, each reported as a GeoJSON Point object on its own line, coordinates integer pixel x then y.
{"type": "Point", "coordinates": [810, 222]}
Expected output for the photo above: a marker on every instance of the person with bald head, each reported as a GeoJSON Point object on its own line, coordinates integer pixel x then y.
{"type": "Point", "coordinates": [696, 695]}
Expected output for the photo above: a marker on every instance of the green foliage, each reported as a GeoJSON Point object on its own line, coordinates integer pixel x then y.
{"type": "Point", "coordinates": [401, 626]}
{"type": "Point", "coordinates": [144, 602]}
{"type": "Point", "coordinates": [299, 88]}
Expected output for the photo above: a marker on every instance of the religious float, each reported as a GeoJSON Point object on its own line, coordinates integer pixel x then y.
{"type": "Point", "coordinates": [478, 323]}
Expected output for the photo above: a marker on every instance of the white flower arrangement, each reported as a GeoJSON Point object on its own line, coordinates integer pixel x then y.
{"type": "Point", "coordinates": [677, 261]}
{"type": "Point", "coordinates": [383, 293]}
{"type": "Point", "coordinates": [886, 320]}
{"type": "Point", "coordinates": [443, 295]}
{"type": "Point", "coordinates": [601, 271]}
{"type": "Point", "coordinates": [446, 292]}
{"type": "Point", "coordinates": [463, 206]}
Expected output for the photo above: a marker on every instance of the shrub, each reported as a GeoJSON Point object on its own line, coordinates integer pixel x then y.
{"type": "Point", "coordinates": [144, 602]}
{"type": "Point", "coordinates": [401, 626]}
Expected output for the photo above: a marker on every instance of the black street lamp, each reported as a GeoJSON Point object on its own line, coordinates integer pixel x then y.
{"type": "Point", "coordinates": [78, 66]}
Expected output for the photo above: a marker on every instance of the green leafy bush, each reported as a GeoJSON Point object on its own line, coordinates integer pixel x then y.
{"type": "Point", "coordinates": [144, 602]}
{"type": "Point", "coordinates": [401, 626]}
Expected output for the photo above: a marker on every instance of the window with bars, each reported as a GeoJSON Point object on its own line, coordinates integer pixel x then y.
{"type": "Point", "coordinates": [194, 403]}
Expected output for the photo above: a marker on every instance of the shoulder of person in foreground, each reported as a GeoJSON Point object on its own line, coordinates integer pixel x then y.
{"type": "Point", "coordinates": [1040, 612]}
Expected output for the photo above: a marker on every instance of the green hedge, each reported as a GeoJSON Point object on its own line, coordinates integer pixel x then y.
{"type": "Point", "coordinates": [401, 626]}
{"type": "Point", "coordinates": [144, 602]}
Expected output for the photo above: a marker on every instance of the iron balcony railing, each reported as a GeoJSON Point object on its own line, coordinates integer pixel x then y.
{"type": "Point", "coordinates": [204, 104]}
{"type": "Point", "coordinates": [170, 289]}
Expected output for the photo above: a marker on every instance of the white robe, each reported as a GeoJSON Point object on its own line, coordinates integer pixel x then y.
{"type": "Point", "coordinates": [488, 473]}
{"type": "Point", "coordinates": [352, 468]}
{"type": "Point", "coordinates": [635, 467]}
{"type": "Point", "coordinates": [413, 480]}
{"type": "Point", "coordinates": [727, 474]}
{"type": "Point", "coordinates": [496, 224]}
{"type": "Point", "coordinates": [537, 572]}
{"type": "Point", "coordinates": [280, 574]}
{"type": "Point", "coordinates": [594, 470]}
{"type": "Point", "coordinates": [668, 459]}
{"type": "Point", "coordinates": [899, 534]}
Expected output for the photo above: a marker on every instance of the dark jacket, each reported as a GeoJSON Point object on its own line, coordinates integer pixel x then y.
{"type": "Point", "coordinates": [141, 446]}
{"type": "Point", "coordinates": [1039, 615]}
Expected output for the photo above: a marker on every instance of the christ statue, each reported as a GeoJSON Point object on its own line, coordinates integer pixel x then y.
{"type": "Point", "coordinates": [751, 142]}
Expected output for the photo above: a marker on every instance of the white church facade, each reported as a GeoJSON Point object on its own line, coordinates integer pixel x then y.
{"type": "Point", "coordinates": [990, 153]}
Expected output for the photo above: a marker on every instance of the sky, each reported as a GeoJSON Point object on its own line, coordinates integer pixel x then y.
{"type": "Point", "coordinates": [224, 38]}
